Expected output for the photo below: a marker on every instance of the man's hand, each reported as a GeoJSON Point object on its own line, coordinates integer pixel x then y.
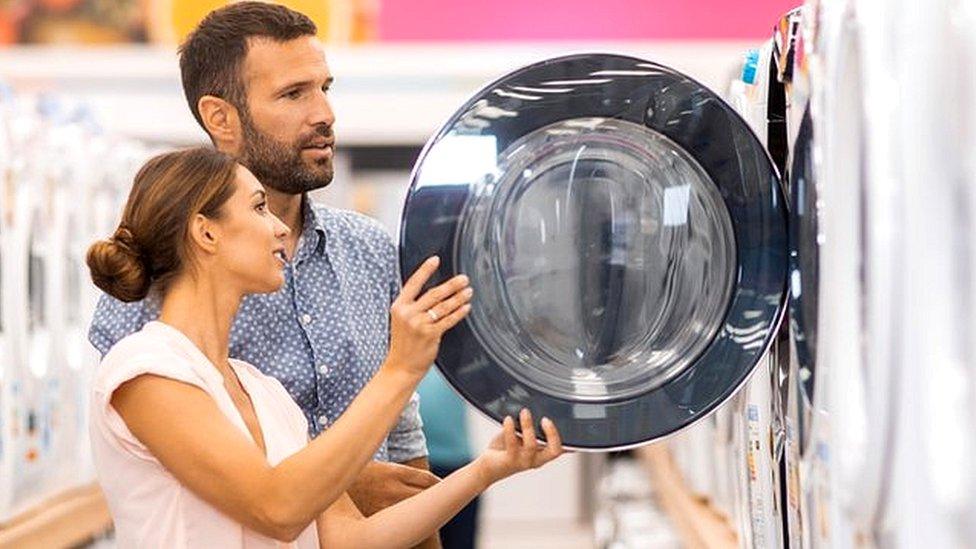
{"type": "Point", "coordinates": [381, 485]}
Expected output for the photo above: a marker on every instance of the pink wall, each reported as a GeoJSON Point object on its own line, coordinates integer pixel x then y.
{"type": "Point", "coordinates": [580, 19]}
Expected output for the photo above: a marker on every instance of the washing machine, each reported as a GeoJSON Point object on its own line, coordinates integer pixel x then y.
{"type": "Point", "coordinates": [692, 453]}
{"type": "Point", "coordinates": [867, 144]}
{"type": "Point", "coordinates": [60, 188]}
{"type": "Point", "coordinates": [21, 448]}
{"type": "Point", "coordinates": [799, 156]}
{"type": "Point", "coordinates": [918, 215]}
{"type": "Point", "coordinates": [731, 464]}
{"type": "Point", "coordinates": [801, 66]}
{"type": "Point", "coordinates": [8, 366]}
{"type": "Point", "coordinates": [784, 104]}
{"type": "Point", "coordinates": [107, 186]}
{"type": "Point", "coordinates": [760, 411]}
{"type": "Point", "coordinates": [857, 288]}
{"type": "Point", "coordinates": [625, 233]}
{"type": "Point", "coordinates": [23, 437]}
{"type": "Point", "coordinates": [80, 295]}
{"type": "Point", "coordinates": [967, 137]}
{"type": "Point", "coordinates": [43, 386]}
{"type": "Point", "coordinates": [40, 407]}
{"type": "Point", "coordinates": [801, 412]}
{"type": "Point", "coordinates": [731, 484]}
{"type": "Point", "coordinates": [67, 191]}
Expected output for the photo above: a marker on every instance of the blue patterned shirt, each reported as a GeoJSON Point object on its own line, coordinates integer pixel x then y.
{"type": "Point", "coordinates": [323, 334]}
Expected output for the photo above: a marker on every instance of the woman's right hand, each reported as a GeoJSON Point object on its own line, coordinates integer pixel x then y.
{"type": "Point", "coordinates": [509, 453]}
{"type": "Point", "coordinates": [417, 323]}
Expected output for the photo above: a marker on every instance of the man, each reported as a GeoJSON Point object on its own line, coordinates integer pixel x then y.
{"type": "Point", "coordinates": [256, 80]}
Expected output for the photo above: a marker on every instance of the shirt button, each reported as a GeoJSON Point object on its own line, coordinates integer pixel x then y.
{"type": "Point", "coordinates": [323, 421]}
{"type": "Point", "coordinates": [324, 369]}
{"type": "Point", "coordinates": [306, 318]}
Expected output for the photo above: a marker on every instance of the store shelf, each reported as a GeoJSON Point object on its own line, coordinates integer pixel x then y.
{"type": "Point", "coordinates": [67, 520]}
{"type": "Point", "coordinates": [699, 524]}
{"type": "Point", "coordinates": [385, 94]}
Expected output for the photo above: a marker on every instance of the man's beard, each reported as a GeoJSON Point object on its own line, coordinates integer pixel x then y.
{"type": "Point", "coordinates": [281, 166]}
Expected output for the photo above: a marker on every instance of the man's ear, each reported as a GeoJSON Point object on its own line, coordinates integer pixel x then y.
{"type": "Point", "coordinates": [221, 119]}
{"type": "Point", "coordinates": [204, 234]}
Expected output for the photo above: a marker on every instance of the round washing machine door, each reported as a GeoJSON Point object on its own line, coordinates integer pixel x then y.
{"type": "Point", "coordinates": [804, 264]}
{"type": "Point", "coordinates": [625, 235]}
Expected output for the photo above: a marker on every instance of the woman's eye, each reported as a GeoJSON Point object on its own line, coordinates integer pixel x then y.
{"type": "Point", "coordinates": [262, 207]}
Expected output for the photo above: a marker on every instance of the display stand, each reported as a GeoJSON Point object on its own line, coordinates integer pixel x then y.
{"type": "Point", "coordinates": [66, 520]}
{"type": "Point", "coordinates": [697, 522]}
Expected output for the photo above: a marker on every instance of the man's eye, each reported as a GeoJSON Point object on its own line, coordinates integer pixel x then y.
{"type": "Point", "coordinates": [294, 94]}
{"type": "Point", "coordinates": [262, 207]}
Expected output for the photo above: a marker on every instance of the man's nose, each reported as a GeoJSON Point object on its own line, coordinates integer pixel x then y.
{"type": "Point", "coordinates": [323, 113]}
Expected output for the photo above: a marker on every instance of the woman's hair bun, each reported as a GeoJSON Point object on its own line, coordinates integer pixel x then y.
{"type": "Point", "coordinates": [150, 244]}
{"type": "Point", "coordinates": [118, 268]}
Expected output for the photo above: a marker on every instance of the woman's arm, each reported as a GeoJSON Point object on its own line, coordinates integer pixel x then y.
{"type": "Point", "coordinates": [183, 427]}
{"type": "Point", "coordinates": [415, 519]}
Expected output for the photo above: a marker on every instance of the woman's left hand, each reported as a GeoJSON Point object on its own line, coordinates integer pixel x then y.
{"type": "Point", "coordinates": [507, 455]}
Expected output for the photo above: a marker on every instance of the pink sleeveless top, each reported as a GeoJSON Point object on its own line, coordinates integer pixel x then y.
{"type": "Point", "coordinates": [150, 507]}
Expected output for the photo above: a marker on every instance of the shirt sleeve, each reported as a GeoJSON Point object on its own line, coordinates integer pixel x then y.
{"type": "Point", "coordinates": [407, 440]}
{"type": "Point", "coordinates": [114, 320]}
{"type": "Point", "coordinates": [120, 368]}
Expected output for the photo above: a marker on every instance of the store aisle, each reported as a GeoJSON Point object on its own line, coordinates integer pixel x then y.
{"type": "Point", "coordinates": [536, 535]}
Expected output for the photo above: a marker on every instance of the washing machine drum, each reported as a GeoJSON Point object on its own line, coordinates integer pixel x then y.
{"type": "Point", "coordinates": [626, 240]}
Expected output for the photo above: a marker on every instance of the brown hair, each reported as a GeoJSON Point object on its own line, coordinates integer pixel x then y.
{"type": "Point", "coordinates": [212, 56]}
{"type": "Point", "coordinates": [149, 247]}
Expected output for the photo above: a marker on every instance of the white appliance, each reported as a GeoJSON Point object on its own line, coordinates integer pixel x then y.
{"type": "Point", "coordinates": [913, 485]}
{"type": "Point", "coordinates": [9, 370]}
{"type": "Point", "coordinates": [801, 61]}
{"type": "Point", "coordinates": [61, 185]}
{"type": "Point", "coordinates": [758, 411]}
{"type": "Point", "coordinates": [692, 453]}
{"type": "Point", "coordinates": [24, 434]}
{"type": "Point", "coordinates": [67, 191]}
{"type": "Point", "coordinates": [891, 430]}
{"type": "Point", "coordinates": [858, 260]}
{"type": "Point", "coordinates": [799, 350]}
{"type": "Point", "coordinates": [43, 383]}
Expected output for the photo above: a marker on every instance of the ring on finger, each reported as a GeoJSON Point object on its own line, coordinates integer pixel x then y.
{"type": "Point", "coordinates": [432, 315]}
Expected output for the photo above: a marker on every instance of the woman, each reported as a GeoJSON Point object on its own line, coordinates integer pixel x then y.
{"type": "Point", "coordinates": [195, 449]}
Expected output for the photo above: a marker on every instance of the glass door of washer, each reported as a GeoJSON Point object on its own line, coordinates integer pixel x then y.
{"type": "Point", "coordinates": [625, 235]}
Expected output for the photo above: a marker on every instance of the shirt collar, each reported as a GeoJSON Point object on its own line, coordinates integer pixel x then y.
{"type": "Point", "coordinates": [314, 229]}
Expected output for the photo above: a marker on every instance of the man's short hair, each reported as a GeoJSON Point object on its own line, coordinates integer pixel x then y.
{"type": "Point", "coordinates": [212, 56]}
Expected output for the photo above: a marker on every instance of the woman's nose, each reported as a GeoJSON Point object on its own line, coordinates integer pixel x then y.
{"type": "Point", "coordinates": [281, 230]}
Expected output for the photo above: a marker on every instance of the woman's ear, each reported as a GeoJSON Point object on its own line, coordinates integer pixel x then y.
{"type": "Point", "coordinates": [221, 120]}
{"type": "Point", "coordinates": [204, 233]}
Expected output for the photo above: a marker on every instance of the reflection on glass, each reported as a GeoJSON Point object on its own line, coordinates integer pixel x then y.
{"type": "Point", "coordinates": [603, 259]}
{"type": "Point", "coordinates": [460, 158]}
{"type": "Point", "coordinates": [804, 268]}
